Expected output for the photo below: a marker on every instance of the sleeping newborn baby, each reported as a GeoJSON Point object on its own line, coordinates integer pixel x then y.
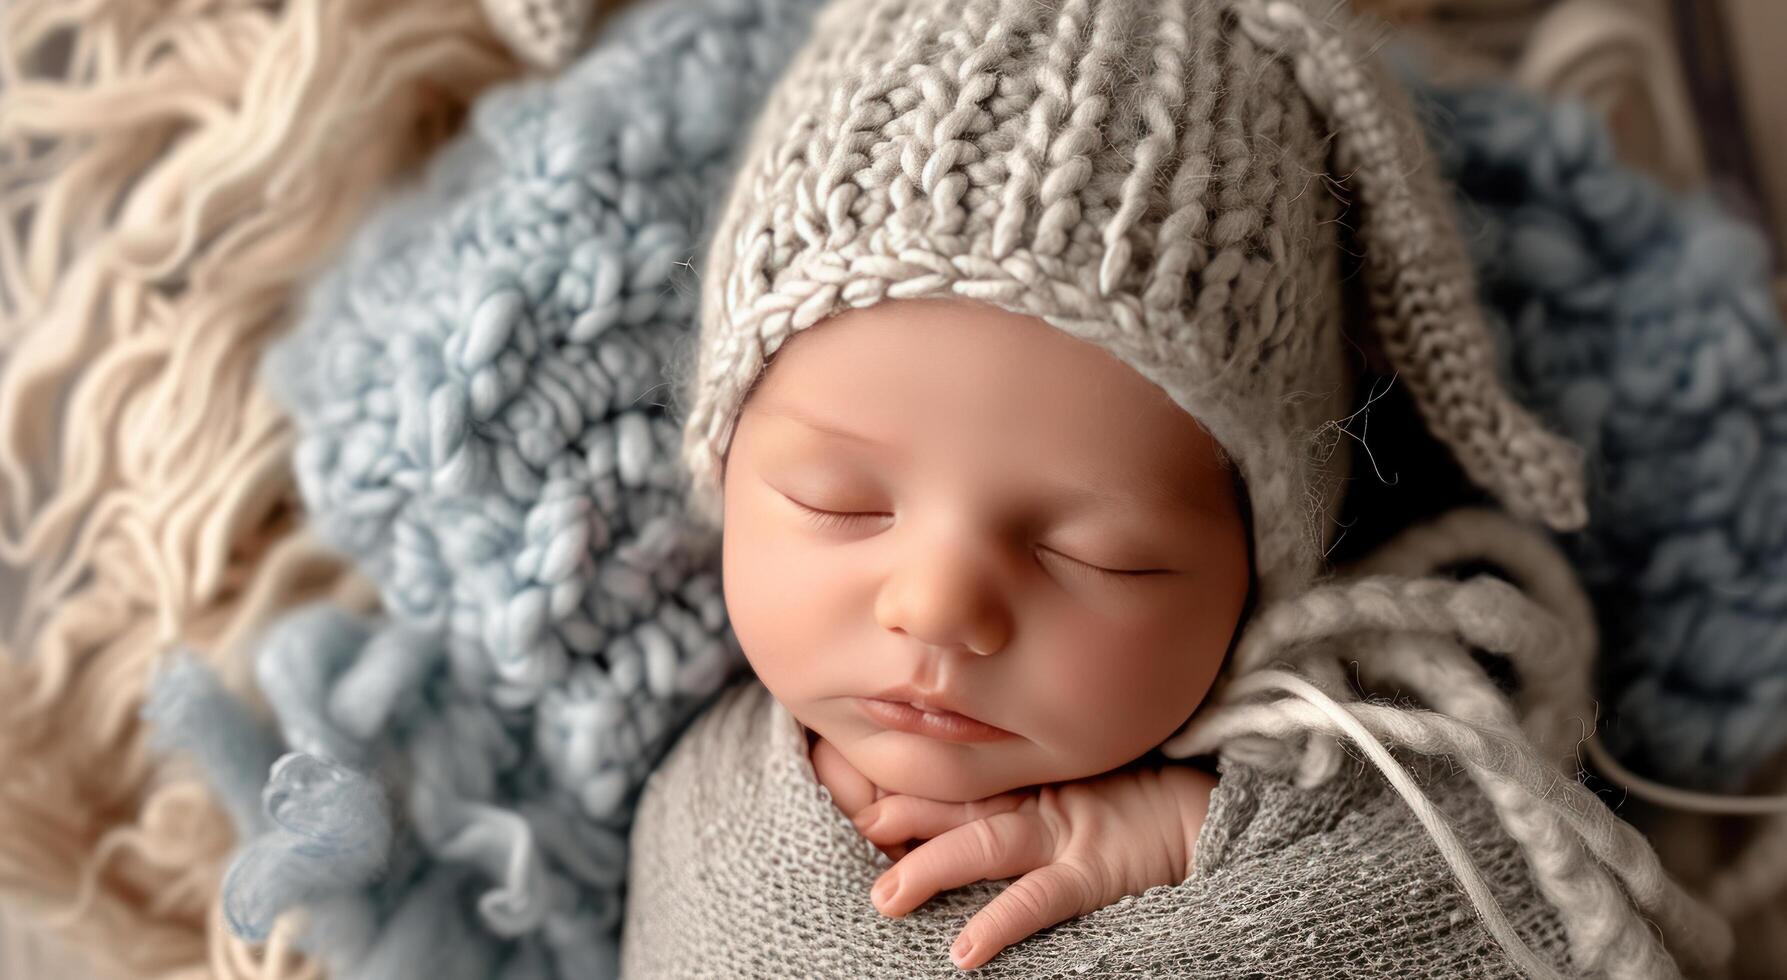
{"type": "Point", "coordinates": [1025, 352]}
{"type": "Point", "coordinates": [972, 554]}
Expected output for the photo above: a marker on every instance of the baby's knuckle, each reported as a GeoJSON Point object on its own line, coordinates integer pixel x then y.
{"type": "Point", "coordinates": [901, 810]}
{"type": "Point", "coordinates": [986, 840]}
{"type": "Point", "coordinates": [1080, 884]}
{"type": "Point", "coordinates": [1028, 902]}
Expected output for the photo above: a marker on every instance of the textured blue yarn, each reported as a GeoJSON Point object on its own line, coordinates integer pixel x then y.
{"type": "Point", "coordinates": [1642, 326]}
{"type": "Point", "coordinates": [478, 386]}
{"type": "Point", "coordinates": [475, 384]}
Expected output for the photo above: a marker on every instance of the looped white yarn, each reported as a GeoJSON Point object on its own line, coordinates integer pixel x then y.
{"type": "Point", "coordinates": [1402, 628]}
{"type": "Point", "coordinates": [1457, 858]}
{"type": "Point", "coordinates": [1676, 798]}
{"type": "Point", "coordinates": [547, 33]}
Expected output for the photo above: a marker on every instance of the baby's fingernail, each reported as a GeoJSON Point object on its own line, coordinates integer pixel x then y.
{"type": "Point", "coordinates": [961, 951]}
{"type": "Point", "coordinates": [882, 891]}
{"type": "Point", "coordinates": [866, 820]}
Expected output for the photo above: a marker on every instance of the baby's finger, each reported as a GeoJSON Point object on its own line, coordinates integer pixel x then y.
{"type": "Point", "coordinates": [896, 819]}
{"type": "Point", "coordinates": [1003, 845]}
{"type": "Point", "coordinates": [1040, 899]}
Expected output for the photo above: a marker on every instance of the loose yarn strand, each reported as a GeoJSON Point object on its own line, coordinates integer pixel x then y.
{"type": "Point", "coordinates": [1674, 797]}
{"type": "Point", "coordinates": [1486, 612]}
{"type": "Point", "coordinates": [1555, 679]}
{"type": "Point", "coordinates": [1442, 674]}
{"type": "Point", "coordinates": [1533, 560]}
{"type": "Point", "coordinates": [1418, 277]}
{"type": "Point", "coordinates": [1450, 848]}
{"type": "Point", "coordinates": [1409, 634]}
{"type": "Point", "coordinates": [1692, 931]}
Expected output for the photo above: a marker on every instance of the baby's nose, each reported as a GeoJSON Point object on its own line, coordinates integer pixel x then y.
{"type": "Point", "coordinates": [947, 600]}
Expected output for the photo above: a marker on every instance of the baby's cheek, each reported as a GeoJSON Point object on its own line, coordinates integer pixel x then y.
{"type": "Point", "coordinates": [761, 582]}
{"type": "Point", "coordinates": [1129, 685]}
{"type": "Point", "coordinates": [790, 609]}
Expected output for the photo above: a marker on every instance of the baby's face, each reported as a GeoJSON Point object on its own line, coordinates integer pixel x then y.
{"type": "Point", "coordinates": [1011, 516]}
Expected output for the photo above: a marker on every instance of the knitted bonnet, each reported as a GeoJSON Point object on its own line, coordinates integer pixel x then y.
{"type": "Point", "coordinates": [1173, 181]}
{"type": "Point", "coordinates": [1178, 182]}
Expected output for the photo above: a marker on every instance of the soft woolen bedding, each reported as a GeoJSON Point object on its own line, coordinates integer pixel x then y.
{"type": "Point", "coordinates": [476, 386]}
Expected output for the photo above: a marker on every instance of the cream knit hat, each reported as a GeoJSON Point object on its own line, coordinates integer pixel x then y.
{"type": "Point", "coordinates": [1152, 177]}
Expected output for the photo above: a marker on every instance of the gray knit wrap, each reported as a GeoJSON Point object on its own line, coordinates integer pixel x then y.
{"type": "Point", "coordinates": [743, 867]}
{"type": "Point", "coordinates": [1157, 178]}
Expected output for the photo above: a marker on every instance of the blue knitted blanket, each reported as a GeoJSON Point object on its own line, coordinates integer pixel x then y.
{"type": "Point", "coordinates": [477, 385]}
{"type": "Point", "coordinates": [479, 390]}
{"type": "Point", "coordinates": [1642, 326]}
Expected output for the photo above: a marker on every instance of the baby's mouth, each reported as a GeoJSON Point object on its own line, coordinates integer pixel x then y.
{"type": "Point", "coordinates": [946, 725]}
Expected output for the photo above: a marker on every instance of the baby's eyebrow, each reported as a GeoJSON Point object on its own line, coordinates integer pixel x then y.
{"type": "Point", "coordinates": [1153, 495]}
{"type": "Point", "coordinates": [1149, 495]}
{"type": "Point", "coordinates": [793, 414]}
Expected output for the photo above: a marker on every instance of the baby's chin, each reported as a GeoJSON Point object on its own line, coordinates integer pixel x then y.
{"type": "Point", "coordinates": [947, 773]}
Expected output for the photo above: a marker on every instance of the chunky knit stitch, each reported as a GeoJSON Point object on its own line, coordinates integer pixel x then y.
{"type": "Point", "coordinates": [475, 390]}
{"type": "Point", "coordinates": [479, 398]}
{"type": "Point", "coordinates": [1642, 326]}
{"type": "Point", "coordinates": [1148, 176]}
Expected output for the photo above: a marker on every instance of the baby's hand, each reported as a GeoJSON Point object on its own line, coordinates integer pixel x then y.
{"type": "Point", "coordinates": [1079, 846]}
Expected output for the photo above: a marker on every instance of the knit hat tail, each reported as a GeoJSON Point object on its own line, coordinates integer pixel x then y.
{"type": "Point", "coordinates": [1420, 283]}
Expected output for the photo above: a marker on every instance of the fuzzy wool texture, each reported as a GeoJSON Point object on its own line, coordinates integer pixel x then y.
{"type": "Point", "coordinates": [174, 175]}
{"type": "Point", "coordinates": [475, 388]}
{"type": "Point", "coordinates": [1642, 326]}
{"type": "Point", "coordinates": [1153, 179]}
{"type": "Point", "coordinates": [744, 867]}
{"type": "Point", "coordinates": [452, 784]}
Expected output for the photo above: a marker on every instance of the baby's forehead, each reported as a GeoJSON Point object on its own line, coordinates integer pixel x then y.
{"type": "Point", "coordinates": [968, 391]}
{"type": "Point", "coordinates": [1027, 460]}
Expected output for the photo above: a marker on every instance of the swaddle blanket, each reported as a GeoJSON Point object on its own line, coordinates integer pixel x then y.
{"type": "Point", "coordinates": [743, 867]}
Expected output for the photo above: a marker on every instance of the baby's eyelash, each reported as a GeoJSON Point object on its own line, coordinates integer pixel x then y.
{"type": "Point", "coordinates": [832, 519]}
{"type": "Point", "coordinates": [1122, 575]}
{"type": "Point", "coordinates": [829, 518]}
